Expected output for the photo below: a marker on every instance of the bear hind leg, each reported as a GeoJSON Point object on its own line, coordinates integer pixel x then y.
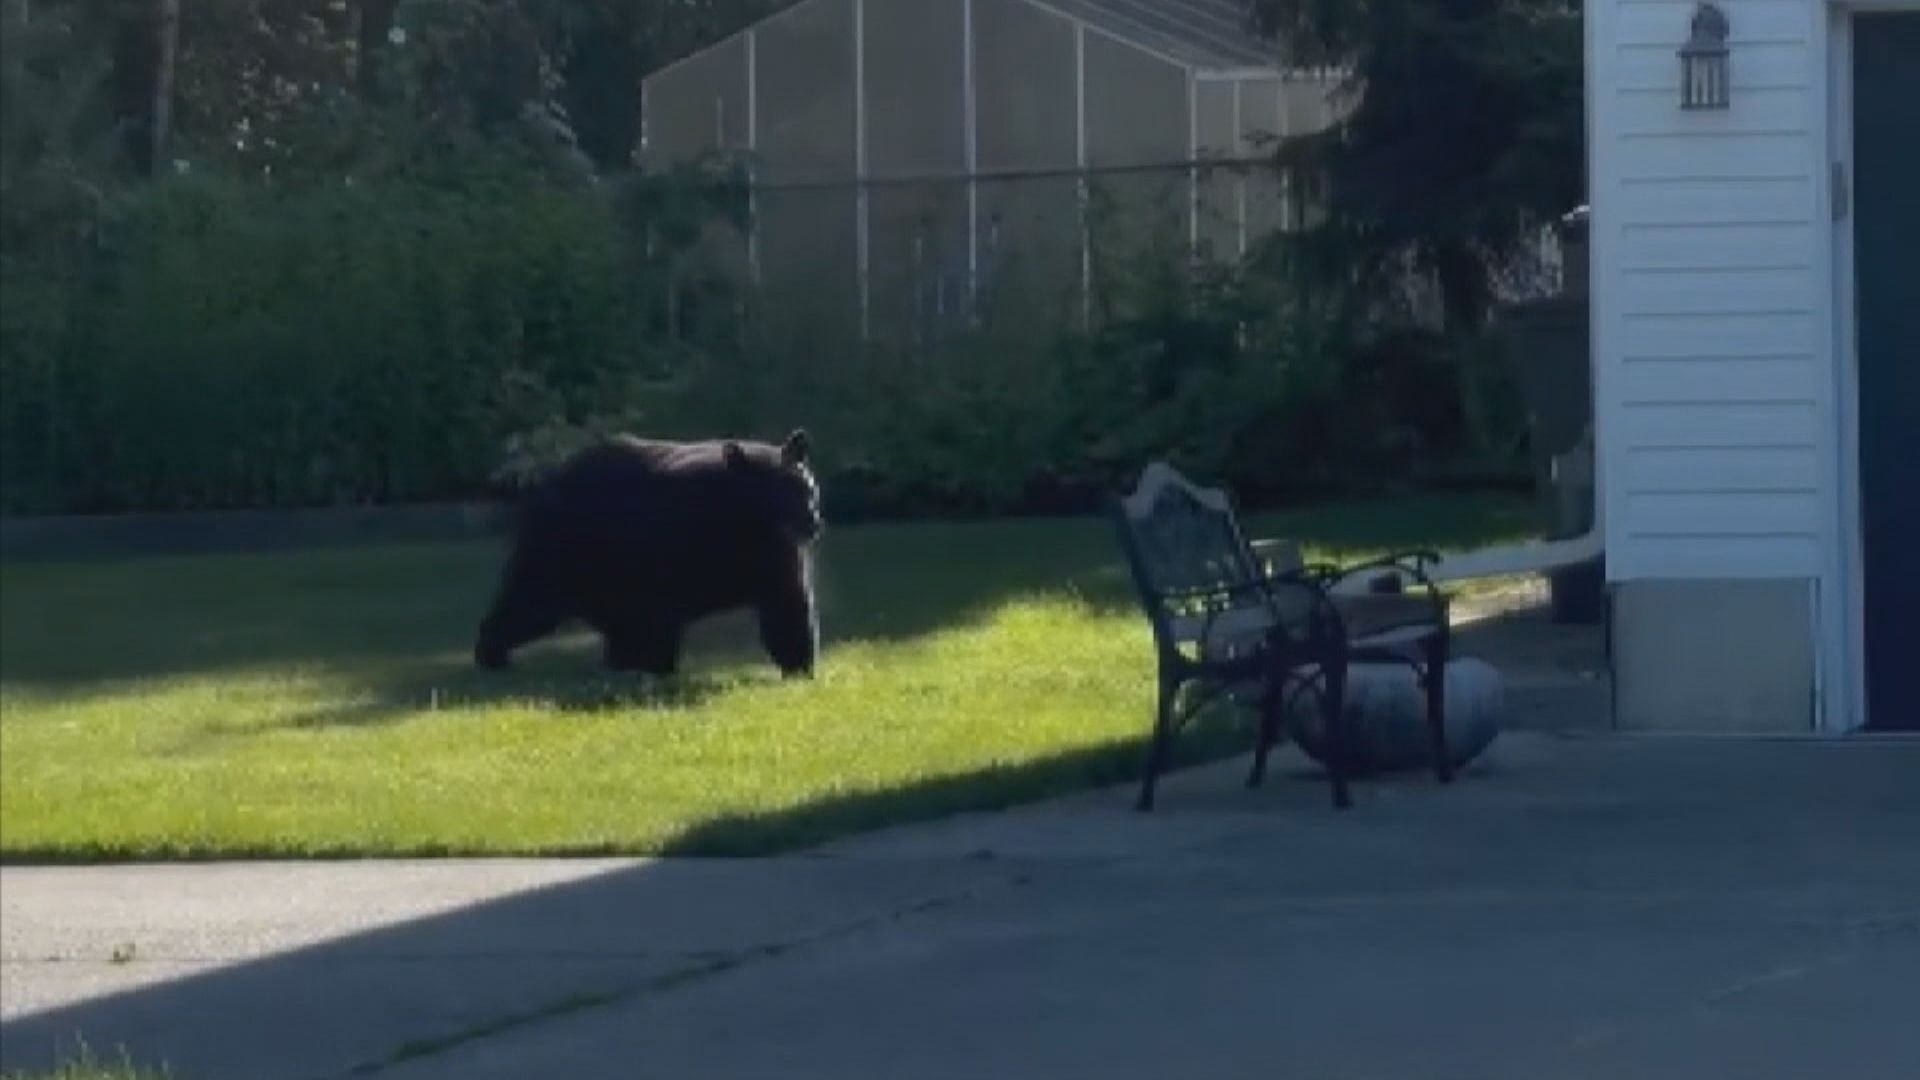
{"type": "Point", "coordinates": [522, 613]}
{"type": "Point", "coordinates": [503, 632]}
{"type": "Point", "coordinates": [652, 650]}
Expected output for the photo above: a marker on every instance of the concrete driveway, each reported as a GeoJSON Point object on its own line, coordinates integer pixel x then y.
{"type": "Point", "coordinates": [1576, 906]}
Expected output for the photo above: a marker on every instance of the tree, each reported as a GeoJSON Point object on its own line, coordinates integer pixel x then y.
{"type": "Point", "coordinates": [144, 38]}
{"type": "Point", "coordinates": [56, 143]}
{"type": "Point", "coordinates": [373, 22]}
{"type": "Point", "coordinates": [572, 64]}
{"type": "Point", "coordinates": [1463, 137]}
{"type": "Point", "coordinates": [257, 79]}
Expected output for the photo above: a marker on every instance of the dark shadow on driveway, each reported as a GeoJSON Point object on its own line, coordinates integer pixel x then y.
{"type": "Point", "coordinates": [373, 999]}
{"type": "Point", "coordinates": [1585, 885]}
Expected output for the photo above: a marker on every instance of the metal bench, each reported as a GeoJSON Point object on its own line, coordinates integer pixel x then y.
{"type": "Point", "coordinates": [1226, 621]}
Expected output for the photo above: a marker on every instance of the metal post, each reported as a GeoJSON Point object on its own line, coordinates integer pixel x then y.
{"type": "Point", "coordinates": [1282, 122]}
{"type": "Point", "coordinates": [1193, 172]}
{"type": "Point", "coordinates": [753, 150]}
{"type": "Point", "coordinates": [862, 221]}
{"type": "Point", "coordinates": [1080, 163]}
{"type": "Point", "coordinates": [968, 91]}
{"type": "Point", "coordinates": [1240, 172]}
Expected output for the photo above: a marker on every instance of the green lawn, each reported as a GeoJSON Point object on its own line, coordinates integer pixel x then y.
{"type": "Point", "coordinates": [322, 704]}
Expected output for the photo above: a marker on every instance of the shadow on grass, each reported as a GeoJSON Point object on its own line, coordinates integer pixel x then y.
{"type": "Point", "coordinates": [1217, 735]}
{"type": "Point", "coordinates": [396, 697]}
{"type": "Point", "coordinates": [364, 613]}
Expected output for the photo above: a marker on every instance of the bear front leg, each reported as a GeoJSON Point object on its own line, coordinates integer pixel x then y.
{"type": "Point", "coordinates": [789, 629]}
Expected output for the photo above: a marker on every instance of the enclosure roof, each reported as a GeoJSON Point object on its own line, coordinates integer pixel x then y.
{"type": "Point", "coordinates": [1203, 33]}
{"type": "Point", "coordinates": [1210, 34]}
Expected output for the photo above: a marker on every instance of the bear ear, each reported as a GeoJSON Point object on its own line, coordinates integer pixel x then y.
{"type": "Point", "coordinates": [794, 450]}
{"type": "Point", "coordinates": [731, 453]}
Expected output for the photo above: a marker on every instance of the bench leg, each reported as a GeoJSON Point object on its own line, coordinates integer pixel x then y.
{"type": "Point", "coordinates": [1162, 737]}
{"type": "Point", "coordinates": [1334, 701]}
{"type": "Point", "coordinates": [1436, 686]}
{"type": "Point", "coordinates": [1272, 704]}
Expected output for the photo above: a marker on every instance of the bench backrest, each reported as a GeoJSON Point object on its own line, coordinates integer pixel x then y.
{"type": "Point", "coordinates": [1197, 576]}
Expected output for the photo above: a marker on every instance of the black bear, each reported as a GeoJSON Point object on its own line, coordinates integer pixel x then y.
{"type": "Point", "coordinates": [637, 538]}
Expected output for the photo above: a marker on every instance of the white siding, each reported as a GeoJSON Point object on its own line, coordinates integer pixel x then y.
{"type": "Point", "coordinates": [1712, 377]}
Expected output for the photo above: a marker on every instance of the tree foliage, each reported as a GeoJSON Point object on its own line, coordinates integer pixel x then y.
{"type": "Point", "coordinates": [54, 137]}
{"type": "Point", "coordinates": [1463, 135]}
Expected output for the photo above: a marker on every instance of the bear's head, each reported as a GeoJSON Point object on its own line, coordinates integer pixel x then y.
{"type": "Point", "coordinates": [780, 486]}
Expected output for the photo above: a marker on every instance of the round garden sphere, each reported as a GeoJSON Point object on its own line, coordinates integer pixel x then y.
{"type": "Point", "coordinates": [1386, 714]}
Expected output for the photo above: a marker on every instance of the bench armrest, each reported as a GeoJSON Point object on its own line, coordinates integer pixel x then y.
{"type": "Point", "coordinates": [1410, 564]}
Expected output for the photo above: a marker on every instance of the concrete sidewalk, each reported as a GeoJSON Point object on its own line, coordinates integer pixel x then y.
{"type": "Point", "coordinates": [1574, 907]}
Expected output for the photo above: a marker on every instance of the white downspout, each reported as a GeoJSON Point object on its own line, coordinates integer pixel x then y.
{"type": "Point", "coordinates": [1533, 557]}
{"type": "Point", "coordinates": [1537, 557]}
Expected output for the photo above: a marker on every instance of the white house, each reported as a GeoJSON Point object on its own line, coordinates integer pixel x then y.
{"type": "Point", "coordinates": [1756, 337]}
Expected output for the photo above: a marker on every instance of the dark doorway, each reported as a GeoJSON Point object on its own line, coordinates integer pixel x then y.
{"type": "Point", "coordinates": [1886, 223]}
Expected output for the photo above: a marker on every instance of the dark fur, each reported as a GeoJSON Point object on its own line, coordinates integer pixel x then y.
{"type": "Point", "coordinates": [638, 538]}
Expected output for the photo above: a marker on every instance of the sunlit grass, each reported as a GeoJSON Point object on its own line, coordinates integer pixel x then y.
{"type": "Point", "coordinates": [322, 703]}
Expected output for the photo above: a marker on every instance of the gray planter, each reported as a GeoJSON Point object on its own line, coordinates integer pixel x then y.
{"type": "Point", "coordinates": [1386, 716]}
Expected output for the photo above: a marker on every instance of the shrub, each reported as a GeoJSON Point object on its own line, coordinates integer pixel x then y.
{"type": "Point", "coordinates": [446, 333]}
{"type": "Point", "coordinates": [250, 346]}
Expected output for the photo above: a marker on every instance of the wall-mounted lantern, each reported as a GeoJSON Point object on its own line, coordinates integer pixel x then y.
{"type": "Point", "coordinates": [1703, 61]}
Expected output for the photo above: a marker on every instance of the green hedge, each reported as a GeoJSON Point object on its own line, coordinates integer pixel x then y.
{"type": "Point", "coordinates": [219, 345]}
{"type": "Point", "coordinates": [239, 346]}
